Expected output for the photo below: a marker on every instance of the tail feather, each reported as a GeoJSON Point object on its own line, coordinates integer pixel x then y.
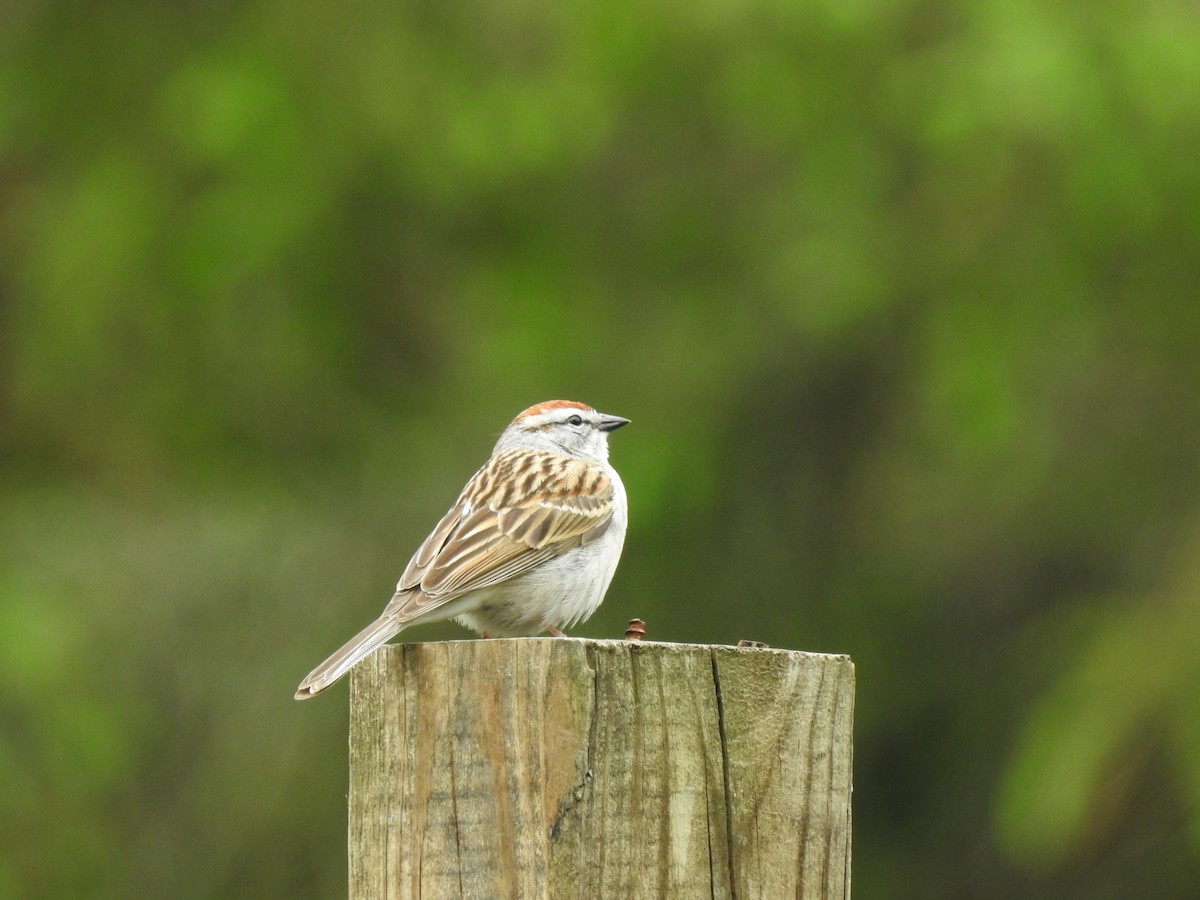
{"type": "Point", "coordinates": [357, 648]}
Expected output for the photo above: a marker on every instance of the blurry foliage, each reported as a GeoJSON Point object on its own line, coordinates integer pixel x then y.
{"type": "Point", "coordinates": [901, 298]}
{"type": "Point", "coordinates": [1126, 700]}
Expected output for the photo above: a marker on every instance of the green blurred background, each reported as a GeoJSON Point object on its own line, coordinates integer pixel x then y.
{"type": "Point", "coordinates": [901, 297]}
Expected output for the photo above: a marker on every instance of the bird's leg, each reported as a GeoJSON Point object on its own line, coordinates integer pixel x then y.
{"type": "Point", "coordinates": [555, 631]}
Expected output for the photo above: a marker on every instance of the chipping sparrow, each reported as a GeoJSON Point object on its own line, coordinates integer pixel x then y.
{"type": "Point", "coordinates": [530, 544]}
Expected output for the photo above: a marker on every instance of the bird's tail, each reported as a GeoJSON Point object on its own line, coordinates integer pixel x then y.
{"type": "Point", "coordinates": [358, 647]}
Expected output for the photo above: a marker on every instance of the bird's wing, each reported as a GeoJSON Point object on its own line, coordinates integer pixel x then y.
{"type": "Point", "coordinates": [520, 510]}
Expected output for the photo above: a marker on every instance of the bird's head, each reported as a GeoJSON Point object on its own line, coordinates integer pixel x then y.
{"type": "Point", "coordinates": [562, 426]}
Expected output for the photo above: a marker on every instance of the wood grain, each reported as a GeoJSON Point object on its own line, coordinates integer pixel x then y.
{"type": "Point", "coordinates": [564, 768]}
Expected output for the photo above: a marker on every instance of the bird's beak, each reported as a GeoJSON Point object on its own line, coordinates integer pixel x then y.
{"type": "Point", "coordinates": [611, 423]}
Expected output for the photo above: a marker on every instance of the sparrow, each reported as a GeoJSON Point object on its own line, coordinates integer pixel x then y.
{"type": "Point", "coordinates": [530, 545]}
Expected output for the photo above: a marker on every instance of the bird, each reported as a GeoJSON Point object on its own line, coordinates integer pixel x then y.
{"type": "Point", "coordinates": [530, 545]}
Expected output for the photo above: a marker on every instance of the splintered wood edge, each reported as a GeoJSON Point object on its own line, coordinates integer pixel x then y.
{"type": "Point", "coordinates": [612, 643]}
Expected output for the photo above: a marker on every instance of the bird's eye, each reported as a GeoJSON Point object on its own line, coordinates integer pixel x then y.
{"type": "Point", "coordinates": [575, 420]}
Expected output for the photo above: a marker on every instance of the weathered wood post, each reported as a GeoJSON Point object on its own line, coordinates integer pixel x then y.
{"type": "Point", "coordinates": [563, 768]}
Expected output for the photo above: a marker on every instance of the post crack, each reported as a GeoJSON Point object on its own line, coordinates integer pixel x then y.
{"type": "Point", "coordinates": [575, 794]}
{"type": "Point", "coordinates": [725, 771]}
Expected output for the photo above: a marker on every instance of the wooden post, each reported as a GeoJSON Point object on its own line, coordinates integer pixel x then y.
{"type": "Point", "coordinates": [563, 768]}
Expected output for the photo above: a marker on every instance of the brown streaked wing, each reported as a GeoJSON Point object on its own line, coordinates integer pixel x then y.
{"type": "Point", "coordinates": [430, 548]}
{"type": "Point", "coordinates": [530, 508]}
